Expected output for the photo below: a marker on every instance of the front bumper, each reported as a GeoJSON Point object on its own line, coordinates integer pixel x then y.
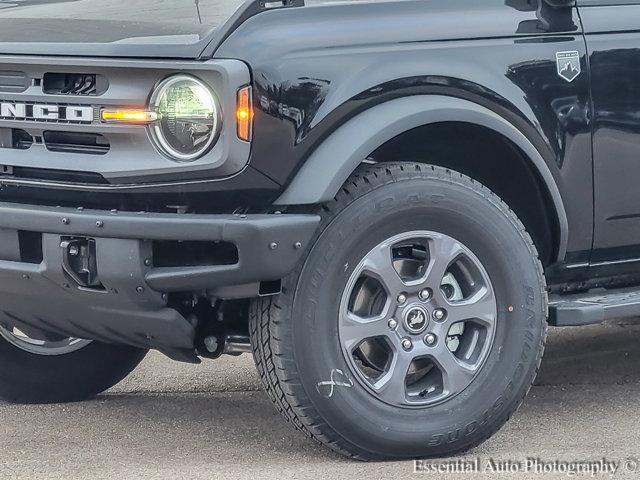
{"type": "Point", "coordinates": [131, 307]}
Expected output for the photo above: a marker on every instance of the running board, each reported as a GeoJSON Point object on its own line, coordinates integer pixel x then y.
{"type": "Point", "coordinates": [593, 307]}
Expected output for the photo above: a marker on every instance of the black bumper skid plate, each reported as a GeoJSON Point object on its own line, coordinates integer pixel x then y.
{"type": "Point", "coordinates": [132, 307]}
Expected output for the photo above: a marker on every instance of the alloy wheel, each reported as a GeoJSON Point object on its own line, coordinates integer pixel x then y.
{"type": "Point", "coordinates": [51, 345]}
{"type": "Point", "coordinates": [417, 319]}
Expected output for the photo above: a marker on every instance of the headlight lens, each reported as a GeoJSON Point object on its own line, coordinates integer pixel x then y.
{"type": "Point", "coordinates": [188, 117]}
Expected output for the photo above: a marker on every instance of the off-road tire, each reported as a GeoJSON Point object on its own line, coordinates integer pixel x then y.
{"type": "Point", "coordinates": [28, 378]}
{"type": "Point", "coordinates": [295, 339]}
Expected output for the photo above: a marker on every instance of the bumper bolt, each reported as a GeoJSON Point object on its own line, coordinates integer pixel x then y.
{"type": "Point", "coordinates": [99, 224]}
{"type": "Point", "coordinates": [407, 344]}
{"type": "Point", "coordinates": [425, 295]}
{"type": "Point", "coordinates": [430, 339]}
{"type": "Point", "coordinates": [66, 221]}
{"type": "Point", "coordinates": [297, 245]}
{"type": "Point", "coordinates": [402, 298]}
{"type": "Point", "coordinates": [273, 246]}
{"type": "Point", "coordinates": [147, 262]}
{"type": "Point", "coordinates": [393, 324]}
{"type": "Point", "coordinates": [140, 289]}
{"type": "Point", "coordinates": [439, 314]}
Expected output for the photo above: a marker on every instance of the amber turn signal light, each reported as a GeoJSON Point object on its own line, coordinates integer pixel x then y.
{"type": "Point", "coordinates": [128, 116]}
{"type": "Point", "coordinates": [244, 114]}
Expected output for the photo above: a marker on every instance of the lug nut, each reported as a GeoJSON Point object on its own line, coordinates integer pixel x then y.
{"type": "Point", "coordinates": [430, 339]}
{"type": "Point", "coordinates": [402, 298]}
{"type": "Point", "coordinates": [425, 295]}
{"type": "Point", "coordinates": [407, 344]}
{"type": "Point", "coordinates": [393, 324]}
{"type": "Point", "coordinates": [439, 314]}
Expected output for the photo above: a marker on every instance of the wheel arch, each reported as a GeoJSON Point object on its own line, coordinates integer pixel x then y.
{"type": "Point", "coordinates": [335, 159]}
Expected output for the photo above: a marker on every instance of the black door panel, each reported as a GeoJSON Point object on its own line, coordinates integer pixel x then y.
{"type": "Point", "coordinates": [613, 40]}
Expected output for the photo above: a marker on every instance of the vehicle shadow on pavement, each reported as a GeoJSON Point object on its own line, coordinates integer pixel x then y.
{"type": "Point", "coordinates": [583, 405]}
{"type": "Point", "coordinates": [578, 365]}
{"type": "Point", "coordinates": [592, 355]}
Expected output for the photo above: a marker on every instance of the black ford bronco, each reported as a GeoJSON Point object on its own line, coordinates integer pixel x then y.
{"type": "Point", "coordinates": [386, 202]}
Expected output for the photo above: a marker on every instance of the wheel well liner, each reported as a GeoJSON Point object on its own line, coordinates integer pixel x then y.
{"type": "Point", "coordinates": [331, 164]}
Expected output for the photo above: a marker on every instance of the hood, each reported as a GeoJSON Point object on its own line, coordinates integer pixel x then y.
{"type": "Point", "coordinates": [119, 28]}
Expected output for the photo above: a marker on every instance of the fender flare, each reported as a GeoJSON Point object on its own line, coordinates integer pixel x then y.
{"type": "Point", "coordinates": [331, 164]}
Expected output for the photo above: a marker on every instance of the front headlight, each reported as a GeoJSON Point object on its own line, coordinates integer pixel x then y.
{"type": "Point", "coordinates": [188, 117]}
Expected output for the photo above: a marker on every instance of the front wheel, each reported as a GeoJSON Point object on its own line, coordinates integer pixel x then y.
{"type": "Point", "coordinates": [415, 326]}
{"type": "Point", "coordinates": [38, 367]}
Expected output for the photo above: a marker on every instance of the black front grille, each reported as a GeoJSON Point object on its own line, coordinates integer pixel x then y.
{"type": "Point", "coordinates": [74, 84]}
{"type": "Point", "coordinates": [15, 138]}
{"type": "Point", "coordinates": [75, 142]}
{"type": "Point", "coordinates": [14, 82]}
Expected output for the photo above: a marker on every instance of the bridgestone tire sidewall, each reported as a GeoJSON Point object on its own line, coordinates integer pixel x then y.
{"type": "Point", "coordinates": [497, 239]}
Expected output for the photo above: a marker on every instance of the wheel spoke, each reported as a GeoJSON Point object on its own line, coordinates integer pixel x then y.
{"type": "Point", "coordinates": [392, 386]}
{"type": "Point", "coordinates": [481, 307]}
{"type": "Point", "coordinates": [456, 376]}
{"type": "Point", "coordinates": [355, 329]}
{"type": "Point", "coordinates": [442, 251]}
{"type": "Point", "coordinates": [379, 263]}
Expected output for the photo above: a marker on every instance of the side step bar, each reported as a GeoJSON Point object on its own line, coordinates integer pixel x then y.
{"type": "Point", "coordinates": [593, 307]}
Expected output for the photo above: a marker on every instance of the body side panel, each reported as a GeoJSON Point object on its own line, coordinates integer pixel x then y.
{"type": "Point", "coordinates": [345, 59]}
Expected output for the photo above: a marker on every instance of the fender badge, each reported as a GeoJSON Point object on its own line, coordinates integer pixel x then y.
{"type": "Point", "coordinates": [568, 65]}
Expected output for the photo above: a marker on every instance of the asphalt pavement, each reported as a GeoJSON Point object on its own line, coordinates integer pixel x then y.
{"type": "Point", "coordinates": [174, 421]}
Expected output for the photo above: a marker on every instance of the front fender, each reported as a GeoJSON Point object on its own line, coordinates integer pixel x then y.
{"type": "Point", "coordinates": [331, 164]}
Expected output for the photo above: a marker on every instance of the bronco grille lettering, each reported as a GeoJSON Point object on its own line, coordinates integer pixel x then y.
{"type": "Point", "coordinates": [46, 112]}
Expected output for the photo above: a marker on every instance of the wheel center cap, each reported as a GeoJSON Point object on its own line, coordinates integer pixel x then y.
{"type": "Point", "coordinates": [416, 319]}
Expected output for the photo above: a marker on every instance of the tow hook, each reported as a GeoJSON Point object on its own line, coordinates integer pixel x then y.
{"type": "Point", "coordinates": [79, 262]}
